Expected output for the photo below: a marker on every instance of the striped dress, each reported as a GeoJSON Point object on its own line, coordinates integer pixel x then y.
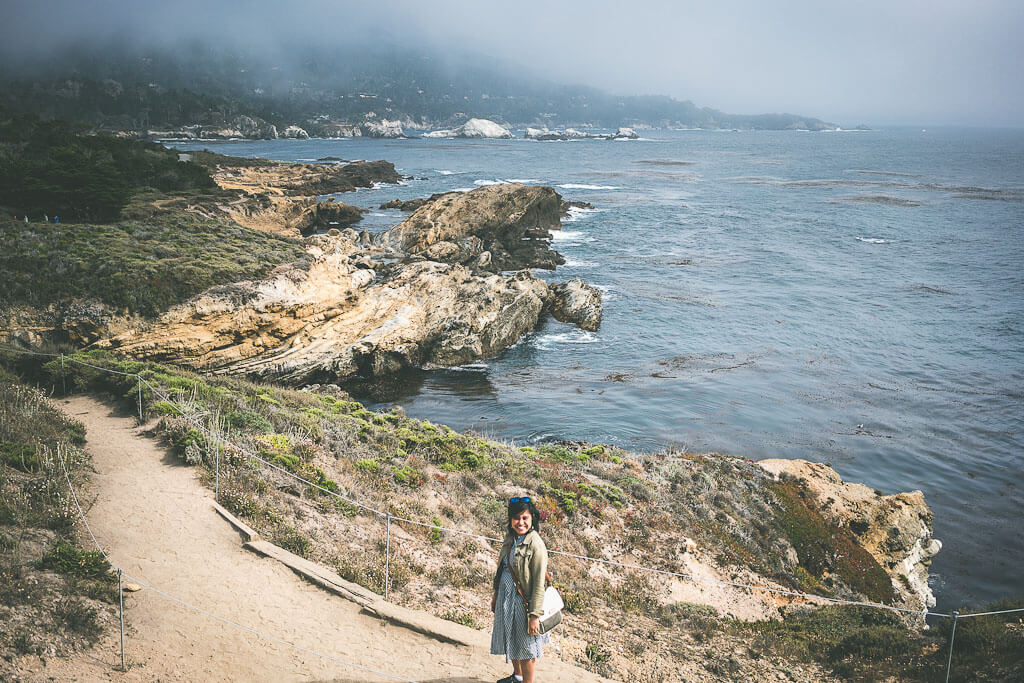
{"type": "Point", "coordinates": [509, 636]}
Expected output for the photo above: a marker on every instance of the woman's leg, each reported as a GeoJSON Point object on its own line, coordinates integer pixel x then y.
{"type": "Point", "coordinates": [517, 667]}
{"type": "Point", "coordinates": [526, 669]}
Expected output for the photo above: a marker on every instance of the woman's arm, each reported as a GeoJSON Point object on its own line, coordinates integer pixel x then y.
{"type": "Point", "coordinates": [538, 569]}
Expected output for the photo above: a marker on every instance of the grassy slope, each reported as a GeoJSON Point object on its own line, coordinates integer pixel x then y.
{"type": "Point", "coordinates": [56, 596]}
{"type": "Point", "coordinates": [137, 267]}
{"type": "Point", "coordinates": [595, 500]}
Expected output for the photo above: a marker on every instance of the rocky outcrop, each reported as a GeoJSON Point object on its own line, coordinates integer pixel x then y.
{"type": "Point", "coordinates": [411, 204]}
{"type": "Point", "coordinates": [347, 315]}
{"type": "Point", "coordinates": [896, 529]}
{"type": "Point", "coordinates": [496, 227]}
{"type": "Point", "coordinates": [568, 206]}
{"type": "Point", "coordinates": [576, 302]}
{"type": "Point", "coordinates": [382, 129]}
{"type": "Point", "coordinates": [572, 134]}
{"type": "Point", "coordinates": [327, 215]}
{"type": "Point", "coordinates": [294, 133]}
{"type": "Point", "coordinates": [474, 128]}
{"type": "Point", "coordinates": [283, 197]}
{"type": "Point", "coordinates": [255, 128]}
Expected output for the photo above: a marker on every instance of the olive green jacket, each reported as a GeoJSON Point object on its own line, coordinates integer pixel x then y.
{"type": "Point", "coordinates": [530, 562]}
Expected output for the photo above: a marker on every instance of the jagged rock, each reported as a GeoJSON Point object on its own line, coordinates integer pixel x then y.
{"type": "Point", "coordinates": [474, 128]}
{"type": "Point", "coordinates": [294, 133]}
{"type": "Point", "coordinates": [895, 529]}
{"type": "Point", "coordinates": [256, 129]}
{"type": "Point", "coordinates": [511, 221]}
{"type": "Point", "coordinates": [329, 214]}
{"type": "Point", "coordinates": [624, 134]}
{"type": "Point", "coordinates": [337, 320]}
{"type": "Point", "coordinates": [411, 204]}
{"type": "Point", "coordinates": [383, 129]}
{"type": "Point", "coordinates": [567, 206]}
{"type": "Point", "coordinates": [576, 302]}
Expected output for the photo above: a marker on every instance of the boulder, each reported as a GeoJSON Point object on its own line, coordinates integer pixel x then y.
{"type": "Point", "coordinates": [294, 133]}
{"type": "Point", "coordinates": [896, 529]}
{"type": "Point", "coordinates": [576, 302]}
{"type": "Point", "coordinates": [511, 221]}
{"type": "Point", "coordinates": [474, 128]}
{"type": "Point", "coordinates": [624, 134]}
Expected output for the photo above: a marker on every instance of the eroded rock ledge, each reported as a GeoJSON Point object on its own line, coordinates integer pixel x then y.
{"type": "Point", "coordinates": [895, 529]}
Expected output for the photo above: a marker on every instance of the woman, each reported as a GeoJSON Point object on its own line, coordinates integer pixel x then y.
{"type": "Point", "coordinates": [522, 566]}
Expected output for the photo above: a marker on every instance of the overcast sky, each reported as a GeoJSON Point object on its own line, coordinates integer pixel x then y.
{"type": "Point", "coordinates": [872, 61]}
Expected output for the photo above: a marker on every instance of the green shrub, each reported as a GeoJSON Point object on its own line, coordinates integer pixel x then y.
{"type": "Point", "coordinates": [21, 456]}
{"type": "Point", "coordinates": [78, 617]}
{"type": "Point", "coordinates": [248, 422]}
{"type": "Point", "coordinates": [368, 466]}
{"type": "Point", "coordinates": [64, 558]}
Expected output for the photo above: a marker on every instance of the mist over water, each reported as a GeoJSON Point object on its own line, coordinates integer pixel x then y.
{"type": "Point", "coordinates": [850, 298]}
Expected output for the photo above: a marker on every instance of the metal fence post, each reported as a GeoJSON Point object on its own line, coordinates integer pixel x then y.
{"type": "Point", "coordinates": [120, 598]}
{"type": "Point", "coordinates": [387, 557]}
{"type": "Point", "coordinates": [216, 450]}
{"type": "Point", "coordinates": [140, 397]}
{"type": "Point", "coordinates": [952, 635]}
{"type": "Point", "coordinates": [63, 377]}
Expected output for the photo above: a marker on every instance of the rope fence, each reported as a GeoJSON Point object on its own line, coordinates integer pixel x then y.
{"type": "Point", "coordinates": [388, 518]}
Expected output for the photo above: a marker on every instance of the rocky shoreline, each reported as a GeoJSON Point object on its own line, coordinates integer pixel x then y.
{"type": "Point", "coordinates": [451, 284]}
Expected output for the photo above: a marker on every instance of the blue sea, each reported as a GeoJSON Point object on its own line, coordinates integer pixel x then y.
{"type": "Point", "coordinates": [855, 298]}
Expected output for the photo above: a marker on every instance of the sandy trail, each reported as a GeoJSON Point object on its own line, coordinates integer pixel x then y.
{"type": "Point", "coordinates": [157, 523]}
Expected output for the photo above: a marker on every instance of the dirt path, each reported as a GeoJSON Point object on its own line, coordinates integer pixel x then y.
{"type": "Point", "coordinates": [157, 523]}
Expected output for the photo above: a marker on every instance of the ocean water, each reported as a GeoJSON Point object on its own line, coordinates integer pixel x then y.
{"type": "Point", "coordinates": [855, 298]}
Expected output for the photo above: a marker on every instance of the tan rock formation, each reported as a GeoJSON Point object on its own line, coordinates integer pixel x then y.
{"type": "Point", "coordinates": [340, 319]}
{"type": "Point", "coordinates": [576, 302]}
{"type": "Point", "coordinates": [895, 529]}
{"type": "Point", "coordinates": [282, 198]}
{"type": "Point", "coordinates": [511, 221]}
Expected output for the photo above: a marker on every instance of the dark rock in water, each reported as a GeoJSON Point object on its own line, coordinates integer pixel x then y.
{"type": "Point", "coordinates": [511, 221]}
{"type": "Point", "coordinates": [330, 159]}
{"type": "Point", "coordinates": [411, 204]}
{"type": "Point", "coordinates": [331, 214]}
{"type": "Point", "coordinates": [576, 302]}
{"type": "Point", "coordinates": [367, 173]}
{"type": "Point", "coordinates": [564, 211]}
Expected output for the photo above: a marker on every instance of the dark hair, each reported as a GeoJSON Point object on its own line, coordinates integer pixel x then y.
{"type": "Point", "coordinates": [520, 505]}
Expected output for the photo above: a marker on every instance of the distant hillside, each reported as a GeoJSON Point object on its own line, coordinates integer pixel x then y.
{"type": "Point", "coordinates": [133, 88]}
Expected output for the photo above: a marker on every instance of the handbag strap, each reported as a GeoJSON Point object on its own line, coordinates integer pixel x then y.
{"type": "Point", "coordinates": [515, 579]}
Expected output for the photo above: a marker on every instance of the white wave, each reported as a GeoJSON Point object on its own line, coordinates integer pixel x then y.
{"type": "Point", "coordinates": [524, 181]}
{"type": "Point", "coordinates": [437, 170]}
{"type": "Point", "coordinates": [575, 186]}
{"type": "Point", "coordinates": [607, 293]}
{"type": "Point", "coordinates": [578, 213]}
{"type": "Point", "coordinates": [380, 215]}
{"type": "Point", "coordinates": [577, 336]}
{"type": "Point", "coordinates": [490, 182]}
{"type": "Point", "coordinates": [580, 263]}
{"type": "Point", "coordinates": [470, 367]}
{"type": "Point", "coordinates": [873, 240]}
{"type": "Point", "coordinates": [560, 235]}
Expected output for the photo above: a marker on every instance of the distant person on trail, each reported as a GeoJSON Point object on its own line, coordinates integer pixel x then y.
{"type": "Point", "coordinates": [56, 219]}
{"type": "Point", "coordinates": [519, 592]}
{"type": "Point", "coordinates": [26, 218]}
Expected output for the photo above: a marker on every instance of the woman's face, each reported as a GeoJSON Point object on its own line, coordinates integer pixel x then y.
{"type": "Point", "coordinates": [522, 522]}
